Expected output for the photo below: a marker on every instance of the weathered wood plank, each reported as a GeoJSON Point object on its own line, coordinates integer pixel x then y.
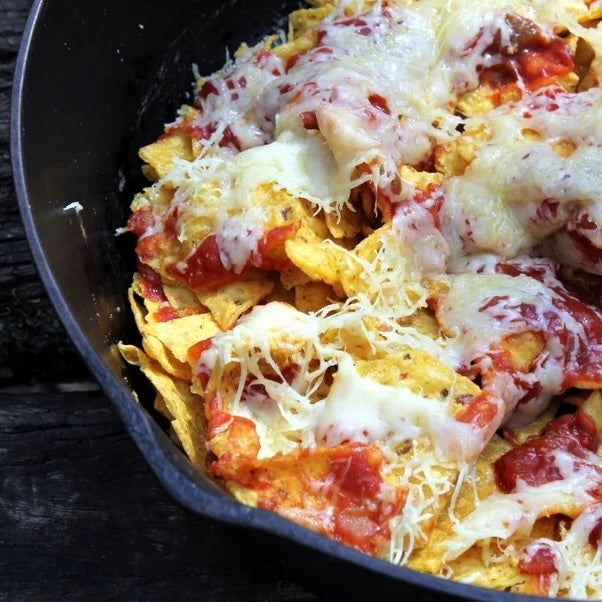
{"type": "Point", "coordinates": [33, 344]}
{"type": "Point", "coordinates": [81, 514]}
{"type": "Point", "coordinates": [83, 517]}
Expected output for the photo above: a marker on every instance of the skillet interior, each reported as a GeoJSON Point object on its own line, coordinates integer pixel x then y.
{"type": "Point", "coordinates": [94, 82]}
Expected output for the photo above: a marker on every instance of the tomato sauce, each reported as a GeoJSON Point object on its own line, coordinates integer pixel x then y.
{"type": "Point", "coordinates": [533, 461]}
{"type": "Point", "coordinates": [380, 103]}
{"type": "Point", "coordinates": [583, 233]}
{"type": "Point", "coordinates": [533, 57]}
{"type": "Point", "coordinates": [431, 198]}
{"type": "Point", "coordinates": [582, 352]}
{"type": "Point", "coordinates": [270, 248]}
{"type": "Point", "coordinates": [141, 220]}
{"type": "Point", "coordinates": [195, 351]}
{"type": "Point", "coordinates": [203, 269]}
{"type": "Point", "coordinates": [166, 313]}
{"type": "Point", "coordinates": [356, 469]}
{"type": "Point", "coordinates": [539, 561]}
{"type": "Point", "coordinates": [338, 491]}
{"type": "Point", "coordinates": [150, 283]}
{"type": "Point", "coordinates": [483, 411]}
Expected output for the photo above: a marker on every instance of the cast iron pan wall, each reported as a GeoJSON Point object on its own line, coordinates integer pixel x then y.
{"type": "Point", "coordinates": [95, 81]}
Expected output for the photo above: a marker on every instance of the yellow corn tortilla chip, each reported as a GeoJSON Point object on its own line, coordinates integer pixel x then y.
{"type": "Point", "coordinates": [167, 342]}
{"type": "Point", "coordinates": [428, 378]}
{"type": "Point", "coordinates": [159, 352]}
{"type": "Point", "coordinates": [143, 313]}
{"type": "Point", "coordinates": [419, 179]}
{"type": "Point", "coordinates": [227, 303]}
{"type": "Point", "coordinates": [182, 298]}
{"type": "Point", "coordinates": [429, 559]}
{"type": "Point", "coordinates": [522, 433]}
{"type": "Point", "coordinates": [422, 374]}
{"type": "Point", "coordinates": [591, 18]}
{"type": "Point", "coordinates": [160, 155]}
{"type": "Point", "coordinates": [424, 321]}
{"type": "Point", "coordinates": [180, 334]}
{"type": "Point", "coordinates": [139, 312]}
{"type": "Point", "coordinates": [320, 262]}
{"type": "Point", "coordinates": [161, 407]}
{"type": "Point", "coordinates": [490, 566]}
{"type": "Point", "coordinates": [347, 224]}
{"type": "Point", "coordinates": [312, 296]}
{"type": "Point", "coordinates": [452, 158]}
{"type": "Point", "coordinates": [304, 19]}
{"type": "Point", "coordinates": [353, 277]}
{"type": "Point", "coordinates": [185, 407]}
{"type": "Point", "coordinates": [292, 276]}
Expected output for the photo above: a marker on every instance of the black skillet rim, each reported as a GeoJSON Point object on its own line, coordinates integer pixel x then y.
{"type": "Point", "coordinates": [178, 477]}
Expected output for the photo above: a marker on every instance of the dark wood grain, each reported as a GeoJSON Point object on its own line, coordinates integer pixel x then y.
{"type": "Point", "coordinates": [82, 517]}
{"type": "Point", "coordinates": [30, 332]}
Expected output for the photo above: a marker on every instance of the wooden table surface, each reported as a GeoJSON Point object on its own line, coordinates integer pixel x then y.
{"type": "Point", "coordinates": [81, 515]}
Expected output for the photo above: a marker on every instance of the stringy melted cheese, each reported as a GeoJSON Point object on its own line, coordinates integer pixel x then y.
{"type": "Point", "coordinates": [382, 93]}
{"type": "Point", "coordinates": [504, 515]}
{"type": "Point", "coordinates": [356, 409]}
{"type": "Point", "coordinates": [578, 563]}
{"type": "Point", "coordinates": [496, 205]}
{"type": "Point", "coordinates": [379, 91]}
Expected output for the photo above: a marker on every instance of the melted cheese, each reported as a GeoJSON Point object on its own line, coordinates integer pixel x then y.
{"type": "Point", "coordinates": [222, 190]}
{"type": "Point", "coordinates": [359, 409]}
{"type": "Point", "coordinates": [356, 409]}
{"type": "Point", "coordinates": [377, 92]}
{"type": "Point", "coordinates": [481, 307]}
{"type": "Point", "coordinates": [497, 204]}
{"type": "Point", "coordinates": [503, 516]}
{"type": "Point", "coordinates": [301, 164]}
{"type": "Point", "coordinates": [382, 88]}
{"type": "Point", "coordinates": [228, 99]}
{"type": "Point", "coordinates": [578, 564]}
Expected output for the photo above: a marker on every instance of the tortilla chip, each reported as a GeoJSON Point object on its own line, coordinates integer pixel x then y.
{"type": "Point", "coordinates": [424, 321]}
{"type": "Point", "coordinates": [347, 224]}
{"type": "Point", "coordinates": [321, 262]}
{"type": "Point", "coordinates": [186, 408]}
{"type": "Point", "coordinates": [161, 407]}
{"type": "Point", "coordinates": [156, 350]}
{"type": "Point", "coordinates": [430, 558]}
{"type": "Point", "coordinates": [452, 158]}
{"type": "Point", "coordinates": [180, 334]}
{"type": "Point", "coordinates": [422, 374]}
{"type": "Point", "coordinates": [167, 342]}
{"type": "Point", "coordinates": [419, 179]}
{"type": "Point", "coordinates": [292, 276]}
{"type": "Point", "coordinates": [181, 298]}
{"type": "Point", "coordinates": [518, 435]}
{"type": "Point", "coordinates": [313, 296]}
{"type": "Point", "coordinates": [303, 20]}
{"type": "Point", "coordinates": [523, 348]}
{"type": "Point", "coordinates": [227, 303]}
{"type": "Point", "coordinates": [160, 155]}
{"type": "Point", "coordinates": [354, 278]}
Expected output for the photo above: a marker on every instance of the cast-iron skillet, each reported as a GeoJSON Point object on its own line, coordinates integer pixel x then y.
{"type": "Point", "coordinates": [95, 81]}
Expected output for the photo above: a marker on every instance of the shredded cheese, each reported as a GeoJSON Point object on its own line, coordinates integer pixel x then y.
{"type": "Point", "coordinates": [353, 126]}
